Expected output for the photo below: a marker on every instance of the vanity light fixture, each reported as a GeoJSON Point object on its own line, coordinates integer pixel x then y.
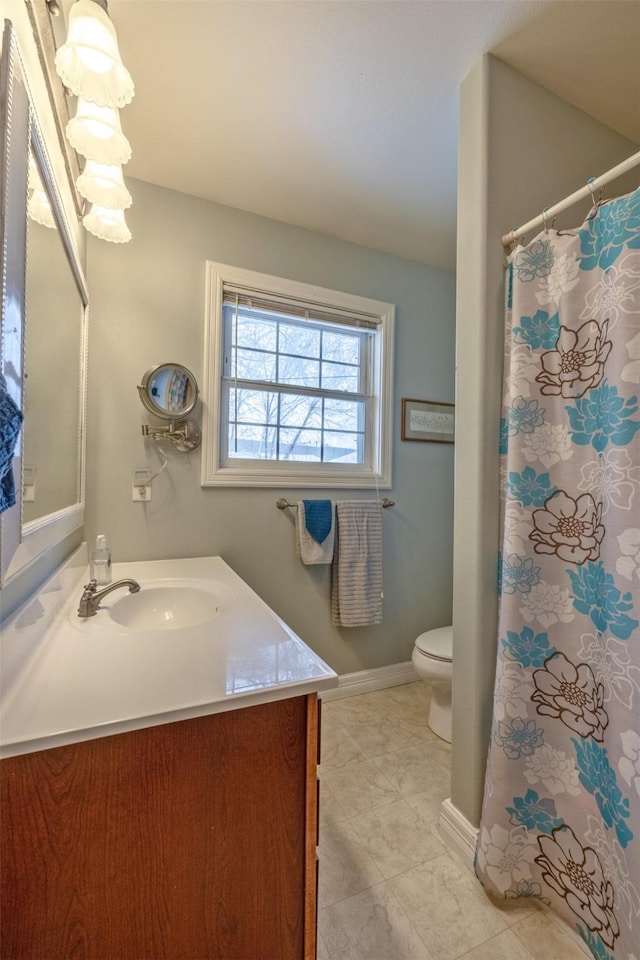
{"type": "Point", "coordinates": [89, 63]}
{"type": "Point", "coordinates": [107, 224]}
{"type": "Point", "coordinates": [103, 184]}
{"type": "Point", "coordinates": [96, 134]}
{"type": "Point", "coordinates": [39, 208]}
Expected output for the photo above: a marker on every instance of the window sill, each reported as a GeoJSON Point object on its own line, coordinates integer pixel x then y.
{"type": "Point", "coordinates": [232, 477]}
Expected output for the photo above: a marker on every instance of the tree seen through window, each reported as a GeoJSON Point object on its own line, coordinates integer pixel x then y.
{"type": "Point", "coordinates": [295, 388]}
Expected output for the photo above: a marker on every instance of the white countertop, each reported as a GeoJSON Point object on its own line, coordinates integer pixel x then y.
{"type": "Point", "coordinates": [65, 680]}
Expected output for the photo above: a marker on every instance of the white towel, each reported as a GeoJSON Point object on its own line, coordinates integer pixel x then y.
{"type": "Point", "coordinates": [356, 585]}
{"type": "Point", "coordinates": [309, 550]}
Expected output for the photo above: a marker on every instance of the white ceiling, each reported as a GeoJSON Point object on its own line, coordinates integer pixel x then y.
{"type": "Point", "coordinates": [341, 115]}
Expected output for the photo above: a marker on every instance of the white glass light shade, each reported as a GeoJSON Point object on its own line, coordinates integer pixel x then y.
{"type": "Point", "coordinates": [103, 184]}
{"type": "Point", "coordinates": [89, 62]}
{"type": "Point", "coordinates": [107, 224]}
{"type": "Point", "coordinates": [39, 208]}
{"type": "Point", "coordinates": [96, 134]}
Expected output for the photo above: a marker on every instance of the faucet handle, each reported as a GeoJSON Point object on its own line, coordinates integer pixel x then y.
{"type": "Point", "coordinates": [87, 604]}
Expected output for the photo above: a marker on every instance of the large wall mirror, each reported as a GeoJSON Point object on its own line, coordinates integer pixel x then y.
{"type": "Point", "coordinates": [44, 313]}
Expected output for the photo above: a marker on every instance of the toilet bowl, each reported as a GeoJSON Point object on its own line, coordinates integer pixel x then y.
{"type": "Point", "coordinates": [432, 659]}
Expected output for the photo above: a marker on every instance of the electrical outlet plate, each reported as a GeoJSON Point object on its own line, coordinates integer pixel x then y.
{"type": "Point", "coordinates": [28, 484]}
{"type": "Point", "coordinates": [141, 485]}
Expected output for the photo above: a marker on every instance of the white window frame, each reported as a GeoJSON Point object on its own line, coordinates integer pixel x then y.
{"type": "Point", "coordinates": [268, 473]}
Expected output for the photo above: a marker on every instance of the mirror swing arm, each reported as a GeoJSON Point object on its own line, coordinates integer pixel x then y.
{"type": "Point", "coordinates": [179, 387]}
{"type": "Point", "coordinates": [185, 435]}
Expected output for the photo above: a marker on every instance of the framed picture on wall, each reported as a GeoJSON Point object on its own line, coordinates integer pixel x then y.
{"type": "Point", "coordinates": [428, 421]}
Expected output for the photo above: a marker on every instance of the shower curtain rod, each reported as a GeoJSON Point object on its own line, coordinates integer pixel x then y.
{"type": "Point", "coordinates": [550, 212]}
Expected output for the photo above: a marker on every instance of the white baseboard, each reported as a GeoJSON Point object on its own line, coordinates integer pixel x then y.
{"type": "Point", "coordinates": [365, 681]}
{"type": "Point", "coordinates": [458, 833]}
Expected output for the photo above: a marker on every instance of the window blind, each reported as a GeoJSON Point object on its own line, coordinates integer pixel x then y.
{"type": "Point", "coordinates": [287, 306]}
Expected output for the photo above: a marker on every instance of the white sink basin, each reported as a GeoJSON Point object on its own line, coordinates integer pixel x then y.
{"type": "Point", "coordinates": [164, 606]}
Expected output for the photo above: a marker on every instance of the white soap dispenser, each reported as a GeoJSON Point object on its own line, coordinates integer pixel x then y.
{"type": "Point", "coordinates": [101, 562]}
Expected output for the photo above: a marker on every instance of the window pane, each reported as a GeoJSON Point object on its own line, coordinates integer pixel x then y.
{"type": "Point", "coordinates": [336, 376]}
{"type": "Point", "coordinates": [340, 347]}
{"type": "Point", "coordinates": [253, 365]}
{"type": "Point", "coordinates": [300, 340]}
{"type": "Point", "coordinates": [300, 411]}
{"type": "Point", "coordinates": [343, 447]}
{"type": "Point", "coordinates": [297, 444]}
{"type": "Point", "coordinates": [253, 332]}
{"type": "Point", "coordinates": [300, 373]}
{"type": "Point", "coordinates": [255, 442]}
{"type": "Point", "coordinates": [296, 393]}
{"type": "Point", "coordinates": [343, 415]}
{"type": "Point", "coordinates": [254, 406]}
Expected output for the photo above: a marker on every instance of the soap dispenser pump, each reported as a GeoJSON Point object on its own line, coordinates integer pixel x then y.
{"type": "Point", "coordinates": [100, 569]}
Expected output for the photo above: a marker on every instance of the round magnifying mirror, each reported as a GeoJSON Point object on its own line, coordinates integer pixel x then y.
{"type": "Point", "coordinates": [169, 391]}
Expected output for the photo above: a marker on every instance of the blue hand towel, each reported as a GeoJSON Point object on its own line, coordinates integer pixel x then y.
{"type": "Point", "coordinates": [318, 518]}
{"type": "Point", "coordinates": [10, 423]}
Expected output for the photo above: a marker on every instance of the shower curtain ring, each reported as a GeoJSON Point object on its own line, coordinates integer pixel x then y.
{"type": "Point", "coordinates": [544, 221]}
{"type": "Point", "coordinates": [591, 181]}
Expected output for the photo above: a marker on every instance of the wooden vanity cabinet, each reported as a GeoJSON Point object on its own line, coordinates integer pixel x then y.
{"type": "Point", "coordinates": [193, 840]}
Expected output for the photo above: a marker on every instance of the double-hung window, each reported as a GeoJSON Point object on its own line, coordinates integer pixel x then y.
{"type": "Point", "coordinates": [297, 384]}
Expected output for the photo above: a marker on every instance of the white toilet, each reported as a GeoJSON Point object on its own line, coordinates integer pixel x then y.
{"type": "Point", "coordinates": [432, 658]}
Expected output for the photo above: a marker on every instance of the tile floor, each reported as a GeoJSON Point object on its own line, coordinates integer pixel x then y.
{"type": "Point", "coordinates": [389, 889]}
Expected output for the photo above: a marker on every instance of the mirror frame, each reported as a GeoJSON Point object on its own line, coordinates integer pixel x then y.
{"type": "Point", "coordinates": [21, 545]}
{"type": "Point", "coordinates": [152, 407]}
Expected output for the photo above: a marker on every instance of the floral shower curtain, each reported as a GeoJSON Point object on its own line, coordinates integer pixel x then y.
{"type": "Point", "coordinates": [561, 815]}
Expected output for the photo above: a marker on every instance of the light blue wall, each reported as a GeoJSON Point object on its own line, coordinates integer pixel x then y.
{"type": "Point", "coordinates": [147, 307]}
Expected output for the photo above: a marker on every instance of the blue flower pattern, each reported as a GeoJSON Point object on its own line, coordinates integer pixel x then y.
{"type": "Point", "coordinates": [540, 332]}
{"type": "Point", "coordinates": [533, 813]}
{"type": "Point", "coordinates": [547, 775]}
{"type": "Point", "coordinates": [504, 435]}
{"type": "Point", "coordinates": [535, 262]}
{"type": "Point", "coordinates": [604, 416]}
{"type": "Point", "coordinates": [598, 777]}
{"type": "Point", "coordinates": [596, 595]}
{"type": "Point", "coordinates": [595, 944]}
{"type": "Point", "coordinates": [529, 649]}
{"type": "Point", "coordinates": [531, 489]}
{"type": "Point", "coordinates": [616, 226]}
{"type": "Point", "coordinates": [524, 416]}
{"type": "Point", "coordinates": [519, 737]}
{"type": "Point", "coordinates": [517, 574]}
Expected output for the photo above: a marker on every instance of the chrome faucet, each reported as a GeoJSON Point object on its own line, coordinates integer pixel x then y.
{"type": "Point", "coordinates": [91, 596]}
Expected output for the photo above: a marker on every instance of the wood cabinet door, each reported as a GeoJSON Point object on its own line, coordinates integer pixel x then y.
{"type": "Point", "coordinates": [186, 841]}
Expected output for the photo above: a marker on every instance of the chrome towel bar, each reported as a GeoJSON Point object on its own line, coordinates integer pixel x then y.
{"type": "Point", "coordinates": [282, 504]}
